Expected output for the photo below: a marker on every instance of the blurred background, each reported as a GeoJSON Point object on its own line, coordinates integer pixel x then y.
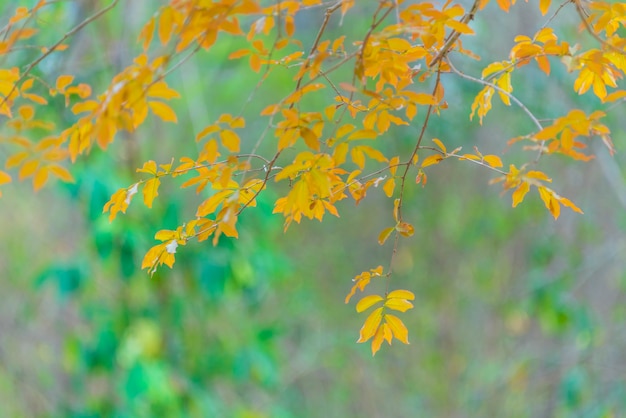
{"type": "Point", "coordinates": [516, 315]}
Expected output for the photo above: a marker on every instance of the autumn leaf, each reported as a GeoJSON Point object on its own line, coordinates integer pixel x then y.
{"type": "Point", "coordinates": [520, 192]}
{"type": "Point", "coordinates": [163, 111]}
{"type": "Point", "coordinates": [367, 302]}
{"type": "Point", "coordinates": [151, 191]}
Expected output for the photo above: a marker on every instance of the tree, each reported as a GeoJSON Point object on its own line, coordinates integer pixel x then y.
{"type": "Point", "coordinates": [391, 77]}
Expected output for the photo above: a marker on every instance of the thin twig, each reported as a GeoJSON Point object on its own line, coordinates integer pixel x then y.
{"type": "Point", "coordinates": [454, 35]}
{"type": "Point", "coordinates": [499, 89]}
{"type": "Point", "coordinates": [53, 47]}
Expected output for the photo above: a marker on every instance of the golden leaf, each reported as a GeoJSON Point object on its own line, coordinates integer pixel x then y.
{"type": "Point", "coordinates": [432, 160]}
{"type": "Point", "coordinates": [163, 111]}
{"type": "Point", "coordinates": [520, 192]}
{"type": "Point", "coordinates": [367, 302]}
{"type": "Point", "coordinates": [370, 325]}
{"type": "Point", "coordinates": [150, 191]}
{"type": "Point", "coordinates": [401, 305]}
{"type": "Point", "coordinates": [402, 294]}
{"type": "Point", "coordinates": [397, 328]}
{"type": "Point", "coordinates": [389, 186]}
{"type": "Point", "coordinates": [384, 234]}
{"type": "Point", "coordinates": [230, 140]}
{"type": "Point", "coordinates": [493, 160]}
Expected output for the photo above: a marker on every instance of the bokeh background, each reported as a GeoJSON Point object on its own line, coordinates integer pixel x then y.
{"type": "Point", "coordinates": [516, 314]}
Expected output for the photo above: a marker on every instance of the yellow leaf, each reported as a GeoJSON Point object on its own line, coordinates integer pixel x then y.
{"type": "Point", "coordinates": [62, 173]}
{"type": "Point", "coordinates": [367, 302]}
{"type": "Point", "coordinates": [388, 335]}
{"type": "Point", "coordinates": [87, 106]}
{"type": "Point", "coordinates": [146, 34]}
{"type": "Point", "coordinates": [344, 130]}
{"type": "Point", "coordinates": [370, 325]}
{"type": "Point", "coordinates": [165, 235]}
{"type": "Point", "coordinates": [358, 157]}
{"type": "Point", "coordinates": [28, 169]}
{"type": "Point", "coordinates": [63, 81]}
{"type": "Point", "coordinates": [551, 203]}
{"type": "Point", "coordinates": [150, 191]}
{"type": "Point", "coordinates": [440, 145]}
{"type": "Point", "coordinates": [460, 27]}
{"type": "Point", "coordinates": [389, 186]}
{"type": "Point", "coordinates": [230, 140]}
{"type": "Point", "coordinates": [162, 91]}
{"type": "Point", "coordinates": [401, 305]}
{"type": "Point", "coordinates": [378, 339]}
{"type": "Point", "coordinates": [397, 328]}
{"type": "Point", "coordinates": [41, 177]}
{"type": "Point", "coordinates": [166, 22]}
{"type": "Point", "coordinates": [210, 205]}
{"type": "Point", "coordinates": [15, 160]}
{"type": "Point", "coordinates": [432, 160]}
{"type": "Point", "coordinates": [393, 165]}
{"type": "Point", "coordinates": [520, 192]}
{"type": "Point", "coordinates": [149, 167]}
{"type": "Point", "coordinates": [384, 234]}
{"type": "Point", "coordinates": [363, 134]}
{"type": "Point", "coordinates": [310, 139]}
{"type": "Point", "coordinates": [402, 294]}
{"type": "Point", "coordinates": [544, 5]}
{"type": "Point", "coordinates": [538, 175]}
{"type": "Point", "coordinates": [339, 155]}
{"type": "Point", "coordinates": [566, 202]}
{"type": "Point", "coordinates": [163, 111]}
{"type": "Point", "coordinates": [493, 160]}
{"type": "Point", "coordinates": [4, 177]}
